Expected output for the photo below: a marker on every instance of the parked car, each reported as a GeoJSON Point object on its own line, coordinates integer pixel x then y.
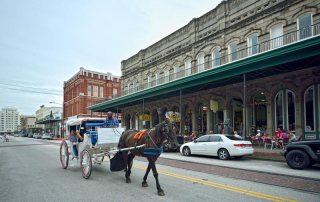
{"type": "Point", "coordinates": [37, 135]}
{"type": "Point", "coordinates": [301, 154]}
{"type": "Point", "coordinates": [223, 146]}
{"type": "Point", "coordinates": [30, 135]}
{"type": "Point", "coordinates": [46, 136]}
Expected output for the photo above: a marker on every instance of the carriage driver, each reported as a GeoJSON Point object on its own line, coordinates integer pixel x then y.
{"type": "Point", "coordinates": [111, 122]}
{"type": "Point", "coordinates": [73, 137]}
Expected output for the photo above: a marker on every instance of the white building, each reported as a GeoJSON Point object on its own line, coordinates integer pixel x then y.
{"type": "Point", "coordinates": [9, 120]}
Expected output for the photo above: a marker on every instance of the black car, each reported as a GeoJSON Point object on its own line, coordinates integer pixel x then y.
{"type": "Point", "coordinates": [301, 154]}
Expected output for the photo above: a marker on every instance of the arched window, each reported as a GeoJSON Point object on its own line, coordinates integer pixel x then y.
{"type": "Point", "coordinates": [157, 77]}
{"type": "Point", "coordinates": [285, 110]}
{"type": "Point", "coordinates": [171, 74]}
{"type": "Point", "coordinates": [276, 34]}
{"type": "Point", "coordinates": [232, 51]}
{"type": "Point", "coordinates": [188, 66]}
{"type": "Point", "coordinates": [304, 24]}
{"type": "Point", "coordinates": [200, 62]}
{"type": "Point", "coordinates": [253, 44]}
{"type": "Point", "coordinates": [216, 57]}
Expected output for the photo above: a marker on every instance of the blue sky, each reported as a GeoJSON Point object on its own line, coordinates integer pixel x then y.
{"type": "Point", "coordinates": [43, 43]}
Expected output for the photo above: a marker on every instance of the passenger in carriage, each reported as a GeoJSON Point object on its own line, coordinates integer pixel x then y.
{"type": "Point", "coordinates": [73, 137]}
{"type": "Point", "coordinates": [111, 121]}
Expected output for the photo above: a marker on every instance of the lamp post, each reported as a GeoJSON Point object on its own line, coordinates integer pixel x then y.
{"type": "Point", "coordinates": [61, 119]}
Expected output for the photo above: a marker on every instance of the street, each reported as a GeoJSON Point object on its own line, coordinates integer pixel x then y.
{"type": "Point", "coordinates": [30, 170]}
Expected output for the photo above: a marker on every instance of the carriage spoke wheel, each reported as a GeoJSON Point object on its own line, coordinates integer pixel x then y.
{"type": "Point", "coordinates": [86, 164]}
{"type": "Point", "coordinates": [64, 154]}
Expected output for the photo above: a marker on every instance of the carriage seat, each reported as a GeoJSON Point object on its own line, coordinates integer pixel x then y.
{"type": "Point", "coordinates": [94, 136]}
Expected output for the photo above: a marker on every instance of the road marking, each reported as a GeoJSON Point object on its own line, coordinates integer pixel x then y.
{"type": "Point", "coordinates": [222, 186]}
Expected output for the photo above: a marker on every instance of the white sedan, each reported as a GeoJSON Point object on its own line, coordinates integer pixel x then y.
{"type": "Point", "coordinates": [223, 146]}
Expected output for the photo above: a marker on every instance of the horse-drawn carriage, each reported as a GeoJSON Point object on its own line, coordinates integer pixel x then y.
{"type": "Point", "coordinates": [98, 141]}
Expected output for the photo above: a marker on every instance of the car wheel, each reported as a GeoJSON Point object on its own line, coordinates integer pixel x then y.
{"type": "Point", "coordinates": [298, 159]}
{"type": "Point", "coordinates": [186, 151]}
{"type": "Point", "coordinates": [223, 154]}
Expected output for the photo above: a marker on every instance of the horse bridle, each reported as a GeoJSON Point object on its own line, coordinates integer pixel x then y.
{"type": "Point", "coordinates": [165, 131]}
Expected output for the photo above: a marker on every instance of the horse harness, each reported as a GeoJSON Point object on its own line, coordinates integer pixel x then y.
{"type": "Point", "coordinates": [146, 134]}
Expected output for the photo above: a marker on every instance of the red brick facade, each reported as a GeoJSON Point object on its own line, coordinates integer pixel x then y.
{"type": "Point", "coordinates": [87, 88]}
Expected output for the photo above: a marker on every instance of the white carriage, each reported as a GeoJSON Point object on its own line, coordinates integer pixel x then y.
{"type": "Point", "coordinates": [98, 141]}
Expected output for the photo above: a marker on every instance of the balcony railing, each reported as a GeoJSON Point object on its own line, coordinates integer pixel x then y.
{"type": "Point", "coordinates": [240, 54]}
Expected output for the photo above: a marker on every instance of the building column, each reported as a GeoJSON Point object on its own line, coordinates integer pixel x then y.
{"type": "Point", "coordinates": [194, 119]}
{"type": "Point", "coordinates": [270, 119]}
{"type": "Point", "coordinates": [209, 120]}
{"type": "Point", "coordinates": [299, 116]}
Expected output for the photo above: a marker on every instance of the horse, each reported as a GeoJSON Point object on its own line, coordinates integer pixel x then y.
{"type": "Point", "coordinates": [153, 141]}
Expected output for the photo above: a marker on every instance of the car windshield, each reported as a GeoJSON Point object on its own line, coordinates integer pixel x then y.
{"type": "Point", "coordinates": [232, 137]}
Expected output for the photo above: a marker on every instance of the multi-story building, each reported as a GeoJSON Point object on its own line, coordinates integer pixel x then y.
{"type": "Point", "coordinates": [87, 88]}
{"type": "Point", "coordinates": [49, 119]}
{"type": "Point", "coordinates": [27, 121]}
{"type": "Point", "coordinates": [247, 64]}
{"type": "Point", "coordinates": [9, 120]}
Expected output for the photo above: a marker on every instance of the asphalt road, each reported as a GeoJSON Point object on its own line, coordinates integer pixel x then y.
{"type": "Point", "coordinates": [30, 170]}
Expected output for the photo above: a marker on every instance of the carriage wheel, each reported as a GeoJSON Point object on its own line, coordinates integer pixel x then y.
{"type": "Point", "coordinates": [86, 164]}
{"type": "Point", "coordinates": [64, 154]}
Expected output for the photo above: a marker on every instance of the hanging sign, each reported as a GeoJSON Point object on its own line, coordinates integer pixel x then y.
{"type": "Point", "coordinates": [214, 105]}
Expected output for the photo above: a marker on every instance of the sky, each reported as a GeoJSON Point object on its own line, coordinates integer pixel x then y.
{"type": "Point", "coordinates": [44, 43]}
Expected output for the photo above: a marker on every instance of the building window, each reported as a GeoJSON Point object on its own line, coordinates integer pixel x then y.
{"type": "Point", "coordinates": [305, 25]}
{"type": "Point", "coordinates": [285, 110]}
{"type": "Point", "coordinates": [89, 90]}
{"type": "Point", "coordinates": [216, 57]}
{"type": "Point", "coordinates": [253, 44]}
{"type": "Point", "coordinates": [188, 67]}
{"type": "Point", "coordinates": [276, 33]}
{"type": "Point", "coordinates": [309, 108]}
{"type": "Point", "coordinates": [95, 91]}
{"type": "Point", "coordinates": [232, 51]}
{"type": "Point", "coordinates": [171, 74]}
{"type": "Point", "coordinates": [200, 62]}
{"type": "Point", "coordinates": [157, 78]}
{"type": "Point", "coordinates": [115, 92]}
{"type": "Point", "coordinates": [166, 75]}
{"type": "Point", "coordinates": [179, 71]}
{"type": "Point", "coordinates": [148, 81]}
{"type": "Point", "coordinates": [101, 91]}
{"type": "Point", "coordinates": [291, 108]}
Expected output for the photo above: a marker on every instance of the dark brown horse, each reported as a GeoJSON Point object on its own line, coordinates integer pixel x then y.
{"type": "Point", "coordinates": [153, 141]}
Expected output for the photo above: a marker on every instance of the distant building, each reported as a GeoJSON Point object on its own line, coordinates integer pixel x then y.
{"type": "Point", "coordinates": [28, 123]}
{"type": "Point", "coordinates": [87, 88]}
{"type": "Point", "coordinates": [49, 119]}
{"type": "Point", "coordinates": [9, 120]}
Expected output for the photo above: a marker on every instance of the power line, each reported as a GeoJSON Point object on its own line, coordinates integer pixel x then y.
{"type": "Point", "coordinates": [32, 91]}
{"type": "Point", "coordinates": [28, 87]}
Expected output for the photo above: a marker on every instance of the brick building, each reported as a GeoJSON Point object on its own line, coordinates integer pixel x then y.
{"type": "Point", "coordinates": [87, 88]}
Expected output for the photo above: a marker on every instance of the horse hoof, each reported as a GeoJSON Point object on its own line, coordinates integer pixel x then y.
{"type": "Point", "coordinates": [144, 184]}
{"type": "Point", "coordinates": [161, 193]}
{"type": "Point", "coordinates": [128, 181]}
